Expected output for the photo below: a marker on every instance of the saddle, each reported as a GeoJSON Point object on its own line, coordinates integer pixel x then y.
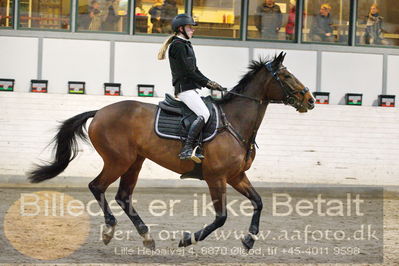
{"type": "Point", "coordinates": [173, 119]}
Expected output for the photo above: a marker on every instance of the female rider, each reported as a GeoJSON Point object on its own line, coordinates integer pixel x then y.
{"type": "Point", "coordinates": [187, 78]}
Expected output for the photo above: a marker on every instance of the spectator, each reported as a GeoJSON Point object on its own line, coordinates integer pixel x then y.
{"type": "Point", "coordinates": [321, 30]}
{"type": "Point", "coordinates": [373, 31]}
{"type": "Point", "coordinates": [290, 27]}
{"type": "Point", "coordinates": [111, 16]}
{"type": "Point", "coordinates": [155, 13]}
{"type": "Point", "coordinates": [268, 19]}
{"type": "Point", "coordinates": [141, 19]}
{"type": "Point", "coordinates": [140, 11]}
{"type": "Point", "coordinates": [169, 11]}
{"type": "Point", "coordinates": [95, 15]}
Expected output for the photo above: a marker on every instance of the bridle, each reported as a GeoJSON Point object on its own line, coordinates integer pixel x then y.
{"type": "Point", "coordinates": [290, 94]}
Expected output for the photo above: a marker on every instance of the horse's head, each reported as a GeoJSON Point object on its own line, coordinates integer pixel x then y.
{"type": "Point", "coordinates": [286, 88]}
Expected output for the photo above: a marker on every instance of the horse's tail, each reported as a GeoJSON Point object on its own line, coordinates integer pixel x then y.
{"type": "Point", "coordinates": [66, 148]}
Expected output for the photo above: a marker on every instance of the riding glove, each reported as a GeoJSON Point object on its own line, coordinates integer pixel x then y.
{"type": "Point", "coordinates": [214, 86]}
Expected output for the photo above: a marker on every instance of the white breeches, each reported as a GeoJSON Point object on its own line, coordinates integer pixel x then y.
{"type": "Point", "coordinates": [193, 100]}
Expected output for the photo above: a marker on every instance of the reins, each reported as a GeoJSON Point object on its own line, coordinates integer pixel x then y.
{"type": "Point", "coordinates": [252, 98]}
{"type": "Point", "coordinates": [246, 96]}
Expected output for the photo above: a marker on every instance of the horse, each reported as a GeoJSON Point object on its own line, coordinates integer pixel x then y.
{"type": "Point", "coordinates": [123, 135]}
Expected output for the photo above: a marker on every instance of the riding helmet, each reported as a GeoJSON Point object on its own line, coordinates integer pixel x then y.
{"type": "Point", "coordinates": [182, 20]}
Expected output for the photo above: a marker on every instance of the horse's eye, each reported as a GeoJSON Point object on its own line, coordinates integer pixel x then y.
{"type": "Point", "coordinates": [287, 76]}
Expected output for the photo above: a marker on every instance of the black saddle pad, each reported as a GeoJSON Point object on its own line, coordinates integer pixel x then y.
{"type": "Point", "coordinates": [173, 119]}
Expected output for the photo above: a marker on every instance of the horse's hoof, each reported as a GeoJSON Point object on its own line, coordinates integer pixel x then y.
{"type": "Point", "coordinates": [149, 243]}
{"type": "Point", "coordinates": [186, 241]}
{"type": "Point", "coordinates": [248, 242]}
{"type": "Point", "coordinates": [108, 233]}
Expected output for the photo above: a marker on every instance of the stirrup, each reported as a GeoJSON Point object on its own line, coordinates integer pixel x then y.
{"type": "Point", "coordinates": [194, 156]}
{"type": "Point", "coordinates": [191, 156]}
{"type": "Point", "coordinates": [199, 153]}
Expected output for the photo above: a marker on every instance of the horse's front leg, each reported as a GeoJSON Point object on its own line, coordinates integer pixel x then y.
{"type": "Point", "coordinates": [217, 190]}
{"type": "Point", "coordinates": [244, 186]}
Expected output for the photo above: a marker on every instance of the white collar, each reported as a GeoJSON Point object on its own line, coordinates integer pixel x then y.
{"type": "Point", "coordinates": [181, 38]}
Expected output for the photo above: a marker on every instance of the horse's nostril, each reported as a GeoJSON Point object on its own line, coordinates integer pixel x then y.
{"type": "Point", "coordinates": [311, 101]}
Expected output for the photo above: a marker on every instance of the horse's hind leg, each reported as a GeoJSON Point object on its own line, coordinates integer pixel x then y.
{"type": "Point", "coordinates": [124, 199]}
{"type": "Point", "coordinates": [98, 187]}
{"type": "Point", "coordinates": [244, 186]}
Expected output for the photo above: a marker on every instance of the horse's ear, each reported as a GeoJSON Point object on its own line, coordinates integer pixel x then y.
{"type": "Point", "coordinates": [283, 57]}
{"type": "Point", "coordinates": [278, 60]}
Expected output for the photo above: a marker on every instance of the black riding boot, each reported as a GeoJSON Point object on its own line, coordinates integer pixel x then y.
{"type": "Point", "coordinates": [195, 129]}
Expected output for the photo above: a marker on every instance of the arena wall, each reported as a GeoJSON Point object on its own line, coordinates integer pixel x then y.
{"type": "Point", "coordinates": [130, 63]}
{"type": "Point", "coordinates": [333, 144]}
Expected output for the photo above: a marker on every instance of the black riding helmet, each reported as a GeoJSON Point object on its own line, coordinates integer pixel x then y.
{"type": "Point", "coordinates": [182, 20]}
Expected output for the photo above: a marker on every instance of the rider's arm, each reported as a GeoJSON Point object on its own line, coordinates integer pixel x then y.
{"type": "Point", "coordinates": [199, 73]}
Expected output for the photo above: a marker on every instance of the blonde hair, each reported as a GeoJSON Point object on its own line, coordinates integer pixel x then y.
{"type": "Point", "coordinates": [164, 47]}
{"type": "Point", "coordinates": [327, 6]}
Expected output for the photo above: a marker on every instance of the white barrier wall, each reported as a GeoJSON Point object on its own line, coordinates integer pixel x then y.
{"type": "Point", "coordinates": [331, 144]}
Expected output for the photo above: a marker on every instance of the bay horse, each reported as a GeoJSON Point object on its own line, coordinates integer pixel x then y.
{"type": "Point", "coordinates": [123, 134]}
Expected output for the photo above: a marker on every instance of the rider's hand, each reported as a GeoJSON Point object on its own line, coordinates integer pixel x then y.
{"type": "Point", "coordinates": [214, 86]}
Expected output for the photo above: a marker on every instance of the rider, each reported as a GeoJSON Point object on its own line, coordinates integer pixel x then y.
{"type": "Point", "coordinates": [187, 78]}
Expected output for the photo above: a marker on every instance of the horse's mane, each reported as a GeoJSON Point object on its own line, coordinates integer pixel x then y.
{"type": "Point", "coordinates": [253, 67]}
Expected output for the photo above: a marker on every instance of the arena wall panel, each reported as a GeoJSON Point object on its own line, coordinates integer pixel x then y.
{"type": "Point", "coordinates": [137, 63]}
{"type": "Point", "coordinates": [76, 60]}
{"type": "Point", "coordinates": [392, 76]}
{"type": "Point", "coordinates": [352, 73]}
{"type": "Point", "coordinates": [19, 60]}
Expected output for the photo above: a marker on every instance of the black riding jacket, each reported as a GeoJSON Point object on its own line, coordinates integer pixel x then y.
{"type": "Point", "coordinates": [183, 64]}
